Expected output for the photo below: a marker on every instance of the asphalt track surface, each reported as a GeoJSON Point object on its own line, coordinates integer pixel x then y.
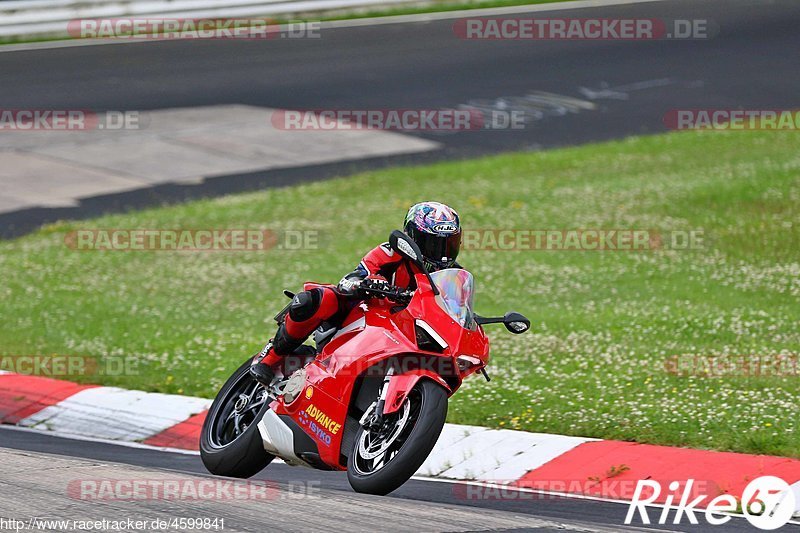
{"type": "Point", "coordinates": [322, 490]}
{"type": "Point", "coordinates": [749, 62]}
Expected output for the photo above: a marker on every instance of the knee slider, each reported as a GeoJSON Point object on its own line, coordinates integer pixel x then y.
{"type": "Point", "coordinates": [305, 304]}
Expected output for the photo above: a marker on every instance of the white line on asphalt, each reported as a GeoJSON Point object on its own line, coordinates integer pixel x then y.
{"type": "Point", "coordinates": [371, 21]}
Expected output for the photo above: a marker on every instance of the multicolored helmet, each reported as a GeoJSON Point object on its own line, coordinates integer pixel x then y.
{"type": "Point", "coordinates": [436, 229]}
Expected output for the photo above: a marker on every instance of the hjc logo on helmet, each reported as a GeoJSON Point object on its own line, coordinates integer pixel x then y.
{"type": "Point", "coordinates": [445, 228]}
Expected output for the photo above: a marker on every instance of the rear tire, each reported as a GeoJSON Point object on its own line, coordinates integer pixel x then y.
{"type": "Point", "coordinates": [427, 406]}
{"type": "Point", "coordinates": [224, 451]}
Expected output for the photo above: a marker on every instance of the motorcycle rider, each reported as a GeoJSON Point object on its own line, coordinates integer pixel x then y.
{"type": "Point", "coordinates": [435, 228]}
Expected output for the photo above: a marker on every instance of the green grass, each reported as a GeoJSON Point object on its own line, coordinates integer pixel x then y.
{"type": "Point", "coordinates": [603, 322]}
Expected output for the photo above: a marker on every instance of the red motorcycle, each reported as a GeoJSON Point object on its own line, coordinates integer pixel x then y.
{"type": "Point", "coordinates": [371, 398]}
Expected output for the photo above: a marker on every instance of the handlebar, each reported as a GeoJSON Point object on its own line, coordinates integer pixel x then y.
{"type": "Point", "coordinates": [391, 292]}
{"type": "Point", "coordinates": [396, 294]}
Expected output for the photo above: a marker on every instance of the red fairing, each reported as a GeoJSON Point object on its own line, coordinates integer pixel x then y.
{"type": "Point", "coordinates": [375, 334]}
{"type": "Point", "coordinates": [401, 384]}
{"type": "Point", "coordinates": [460, 342]}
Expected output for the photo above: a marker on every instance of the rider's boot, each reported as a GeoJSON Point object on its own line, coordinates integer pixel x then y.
{"type": "Point", "coordinates": [274, 352]}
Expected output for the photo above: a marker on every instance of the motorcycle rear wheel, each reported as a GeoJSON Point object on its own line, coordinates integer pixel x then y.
{"type": "Point", "coordinates": [230, 443]}
{"type": "Point", "coordinates": [385, 458]}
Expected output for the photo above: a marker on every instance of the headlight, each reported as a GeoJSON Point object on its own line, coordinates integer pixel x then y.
{"type": "Point", "coordinates": [466, 361]}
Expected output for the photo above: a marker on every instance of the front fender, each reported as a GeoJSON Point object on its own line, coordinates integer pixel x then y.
{"type": "Point", "coordinates": [401, 384]}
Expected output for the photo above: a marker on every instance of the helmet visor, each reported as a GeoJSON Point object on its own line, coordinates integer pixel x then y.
{"type": "Point", "coordinates": [440, 249]}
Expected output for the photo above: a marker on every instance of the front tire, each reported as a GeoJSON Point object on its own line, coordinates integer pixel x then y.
{"type": "Point", "coordinates": [384, 459]}
{"type": "Point", "coordinates": [230, 443]}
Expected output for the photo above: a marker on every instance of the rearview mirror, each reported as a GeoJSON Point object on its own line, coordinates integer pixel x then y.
{"type": "Point", "coordinates": [516, 322]}
{"type": "Point", "coordinates": [405, 246]}
{"type": "Point", "coordinates": [402, 244]}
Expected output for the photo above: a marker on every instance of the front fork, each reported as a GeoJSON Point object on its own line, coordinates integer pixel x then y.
{"type": "Point", "coordinates": [394, 391]}
{"type": "Point", "coordinates": [373, 416]}
{"type": "Point", "coordinates": [382, 398]}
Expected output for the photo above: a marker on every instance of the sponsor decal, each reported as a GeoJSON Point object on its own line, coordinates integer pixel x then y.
{"type": "Point", "coordinates": [309, 393]}
{"type": "Point", "coordinates": [317, 415]}
{"type": "Point", "coordinates": [320, 425]}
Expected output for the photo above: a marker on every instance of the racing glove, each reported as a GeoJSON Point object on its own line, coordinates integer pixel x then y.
{"type": "Point", "coordinates": [372, 287]}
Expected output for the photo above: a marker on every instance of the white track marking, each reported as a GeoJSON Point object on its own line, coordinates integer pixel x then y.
{"type": "Point", "coordinates": [117, 414]}
{"type": "Point", "coordinates": [497, 455]}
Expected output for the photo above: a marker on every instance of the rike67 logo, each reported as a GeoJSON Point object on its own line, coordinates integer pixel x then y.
{"type": "Point", "coordinates": [768, 503]}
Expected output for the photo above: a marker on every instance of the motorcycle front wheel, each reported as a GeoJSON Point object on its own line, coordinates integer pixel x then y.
{"type": "Point", "coordinates": [385, 457]}
{"type": "Point", "coordinates": [230, 443]}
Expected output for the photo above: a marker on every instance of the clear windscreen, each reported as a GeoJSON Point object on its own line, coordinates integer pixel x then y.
{"type": "Point", "coordinates": [456, 292]}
